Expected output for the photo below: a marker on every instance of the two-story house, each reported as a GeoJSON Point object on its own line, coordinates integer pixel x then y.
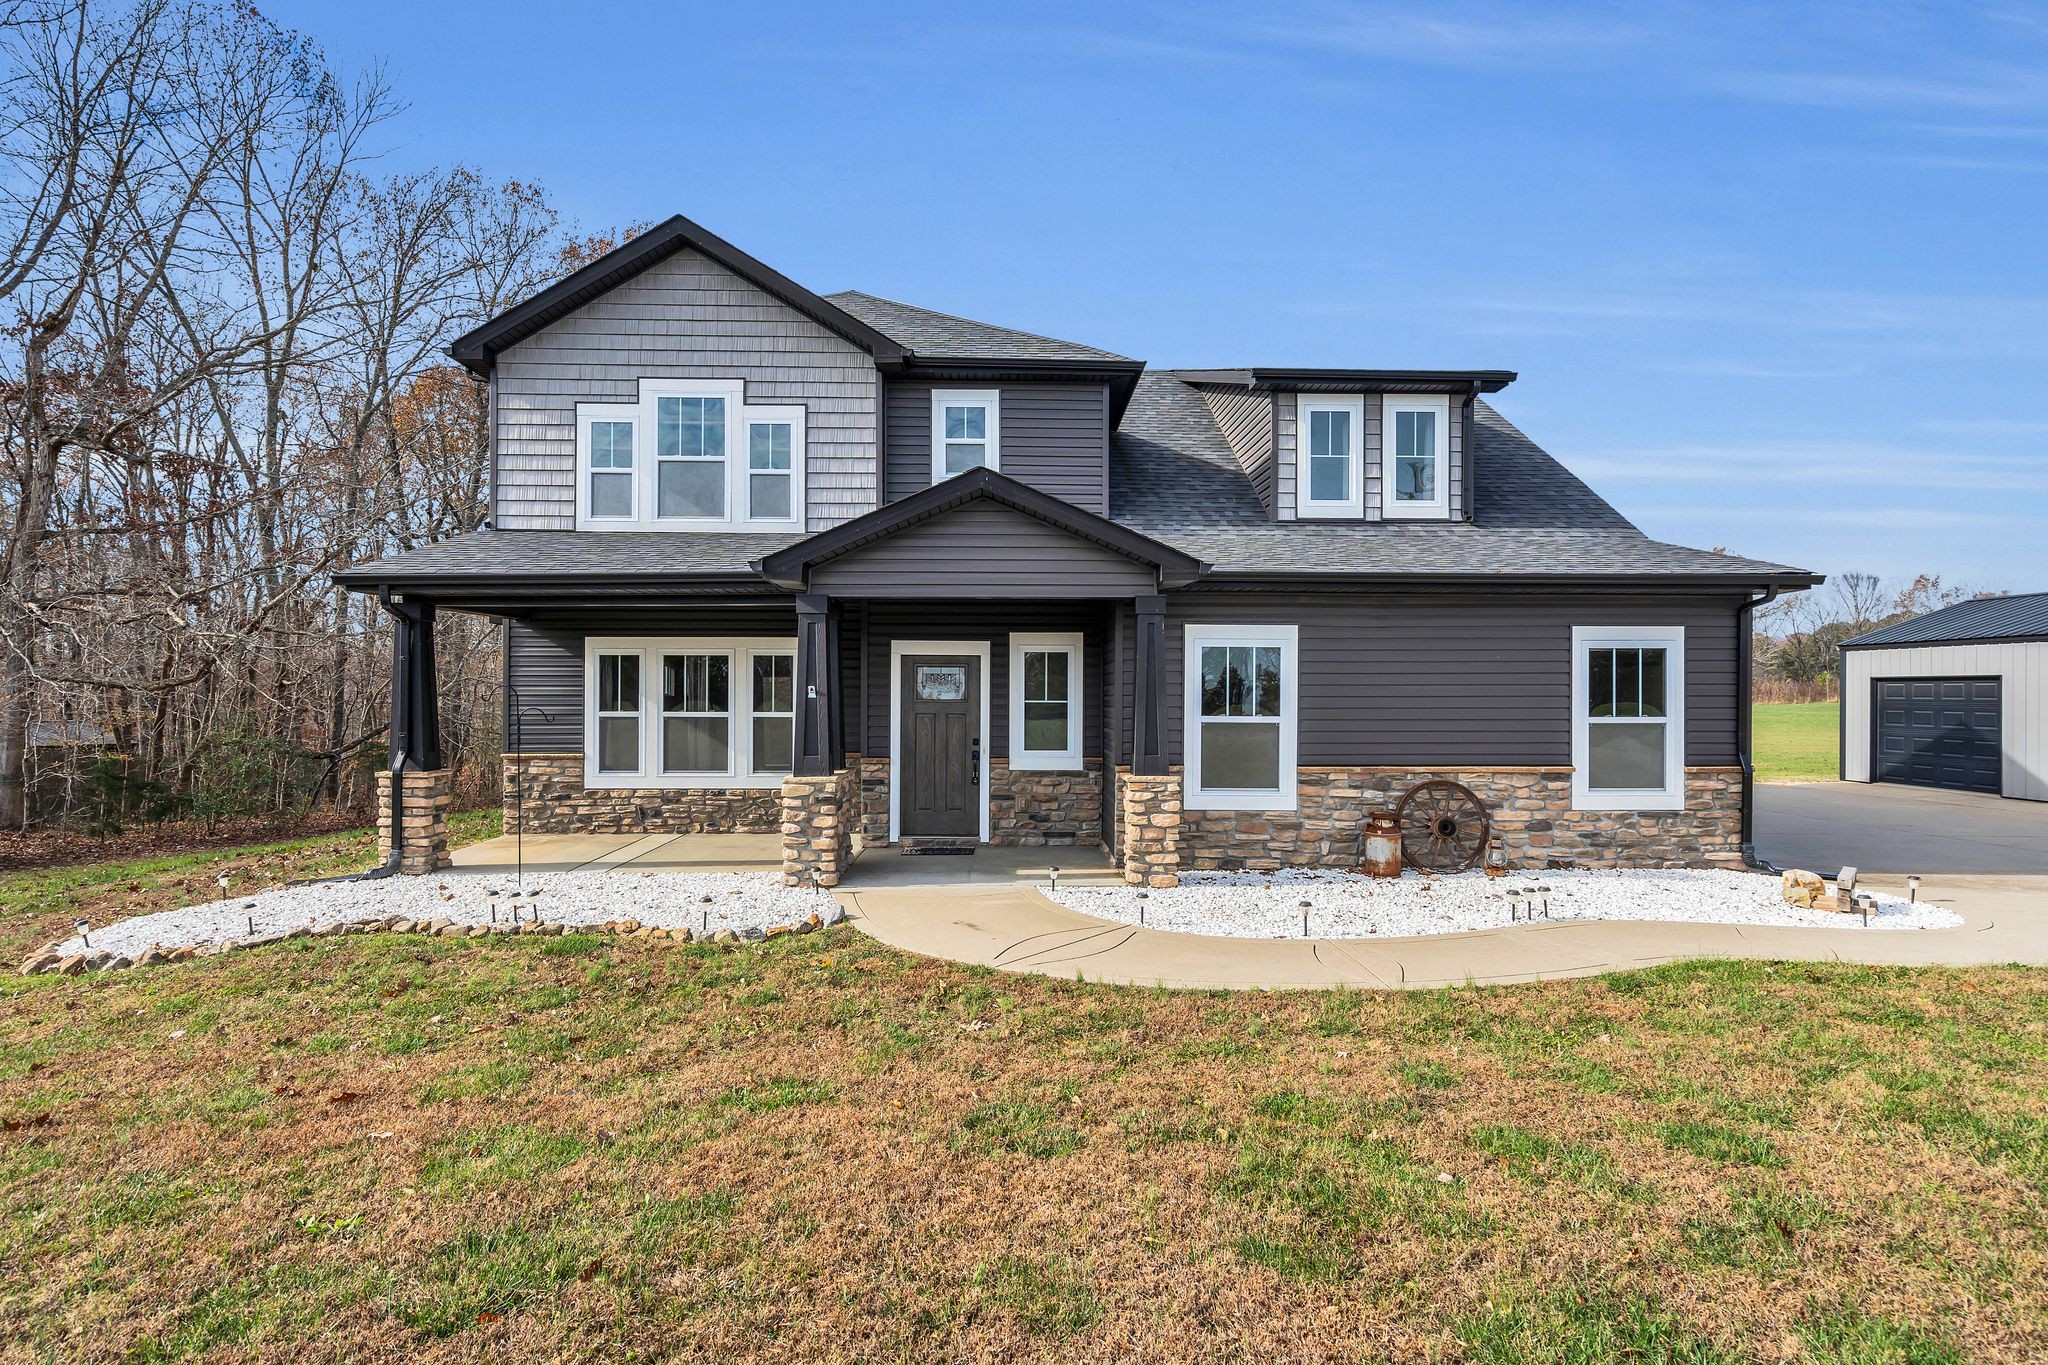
{"type": "Point", "coordinates": [845, 568]}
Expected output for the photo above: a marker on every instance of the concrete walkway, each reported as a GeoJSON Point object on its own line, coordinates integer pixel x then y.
{"type": "Point", "coordinates": [1019, 930]}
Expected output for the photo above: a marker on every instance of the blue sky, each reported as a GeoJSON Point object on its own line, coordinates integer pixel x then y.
{"type": "Point", "coordinates": [1775, 277]}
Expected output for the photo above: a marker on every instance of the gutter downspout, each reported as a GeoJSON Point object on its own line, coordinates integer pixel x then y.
{"type": "Point", "coordinates": [1746, 619]}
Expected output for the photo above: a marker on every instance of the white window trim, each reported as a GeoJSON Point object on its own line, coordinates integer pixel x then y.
{"type": "Point", "coordinates": [1196, 796]}
{"type": "Point", "coordinates": [992, 399]}
{"type": "Point", "coordinates": [586, 414]}
{"type": "Point", "coordinates": [644, 413]}
{"type": "Point", "coordinates": [1307, 506]}
{"type": "Point", "coordinates": [1671, 639]}
{"type": "Point", "coordinates": [897, 650]}
{"type": "Point", "coordinates": [792, 416]}
{"type": "Point", "coordinates": [740, 649]}
{"type": "Point", "coordinates": [1067, 760]}
{"type": "Point", "coordinates": [1440, 507]}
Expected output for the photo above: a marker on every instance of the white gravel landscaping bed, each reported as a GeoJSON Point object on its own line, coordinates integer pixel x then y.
{"type": "Point", "coordinates": [1348, 905]}
{"type": "Point", "coordinates": [659, 900]}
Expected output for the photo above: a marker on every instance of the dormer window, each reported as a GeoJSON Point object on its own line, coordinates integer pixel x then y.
{"type": "Point", "coordinates": [717, 463]}
{"type": "Point", "coordinates": [1332, 439]}
{"type": "Point", "coordinates": [1416, 454]}
{"type": "Point", "coordinates": [966, 427]}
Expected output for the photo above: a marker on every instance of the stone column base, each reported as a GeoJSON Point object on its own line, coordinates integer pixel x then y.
{"type": "Point", "coordinates": [1149, 810]}
{"type": "Point", "coordinates": [818, 815]}
{"type": "Point", "coordinates": [423, 820]}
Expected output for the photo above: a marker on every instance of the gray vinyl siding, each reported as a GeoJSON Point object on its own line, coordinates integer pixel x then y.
{"type": "Point", "coordinates": [686, 318]}
{"type": "Point", "coordinates": [1246, 419]}
{"type": "Point", "coordinates": [1054, 437]}
{"type": "Point", "coordinates": [1286, 426]}
{"type": "Point", "coordinates": [1388, 680]}
{"type": "Point", "coordinates": [544, 660]}
{"type": "Point", "coordinates": [990, 621]}
{"type": "Point", "coordinates": [982, 549]}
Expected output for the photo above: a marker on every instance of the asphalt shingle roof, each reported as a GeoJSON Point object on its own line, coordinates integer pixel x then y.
{"type": "Point", "coordinates": [942, 336]}
{"type": "Point", "coordinates": [1987, 618]}
{"type": "Point", "coordinates": [578, 554]}
{"type": "Point", "coordinates": [1173, 477]}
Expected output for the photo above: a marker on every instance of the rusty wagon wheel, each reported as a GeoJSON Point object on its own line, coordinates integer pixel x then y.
{"type": "Point", "coordinates": [1443, 826]}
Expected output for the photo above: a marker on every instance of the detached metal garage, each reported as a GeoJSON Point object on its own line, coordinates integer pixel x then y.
{"type": "Point", "coordinates": [1956, 699]}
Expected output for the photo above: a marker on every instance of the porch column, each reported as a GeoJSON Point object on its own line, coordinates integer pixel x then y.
{"type": "Point", "coordinates": [1148, 725]}
{"type": "Point", "coordinates": [415, 793]}
{"type": "Point", "coordinates": [1149, 804]}
{"type": "Point", "coordinates": [816, 667]}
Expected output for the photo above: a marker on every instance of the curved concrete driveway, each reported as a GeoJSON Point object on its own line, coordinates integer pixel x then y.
{"type": "Point", "coordinates": [1019, 930]}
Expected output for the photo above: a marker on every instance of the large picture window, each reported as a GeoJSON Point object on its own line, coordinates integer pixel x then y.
{"type": "Point", "coordinates": [1332, 439]}
{"type": "Point", "coordinates": [722, 711]}
{"type": "Point", "coordinates": [1240, 717]}
{"type": "Point", "coordinates": [1045, 702]}
{"type": "Point", "coordinates": [1628, 722]}
{"type": "Point", "coordinates": [1415, 455]}
{"type": "Point", "coordinates": [690, 454]}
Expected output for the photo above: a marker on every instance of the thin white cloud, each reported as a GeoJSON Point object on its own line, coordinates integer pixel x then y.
{"type": "Point", "coordinates": [1828, 466]}
{"type": "Point", "coordinates": [1988, 426]}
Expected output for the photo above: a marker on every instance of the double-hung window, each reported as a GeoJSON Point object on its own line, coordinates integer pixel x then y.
{"type": "Point", "coordinates": [1332, 437]}
{"type": "Point", "coordinates": [966, 432]}
{"type": "Point", "coordinates": [689, 459]}
{"type": "Point", "coordinates": [690, 455]}
{"type": "Point", "coordinates": [666, 712]}
{"type": "Point", "coordinates": [615, 711]}
{"type": "Point", "coordinates": [1415, 455]}
{"type": "Point", "coordinates": [1240, 717]}
{"type": "Point", "coordinates": [1628, 717]}
{"type": "Point", "coordinates": [1045, 703]}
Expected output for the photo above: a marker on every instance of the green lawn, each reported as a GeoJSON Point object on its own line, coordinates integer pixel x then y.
{"type": "Point", "coordinates": [1796, 741]}
{"type": "Point", "coordinates": [821, 1149]}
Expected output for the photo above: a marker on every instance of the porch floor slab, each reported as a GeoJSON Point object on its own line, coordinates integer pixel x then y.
{"type": "Point", "coordinates": [624, 853]}
{"type": "Point", "coordinates": [987, 866]}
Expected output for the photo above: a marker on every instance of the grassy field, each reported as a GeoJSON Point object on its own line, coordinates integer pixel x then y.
{"type": "Point", "coordinates": [1796, 741]}
{"type": "Point", "coordinates": [820, 1149]}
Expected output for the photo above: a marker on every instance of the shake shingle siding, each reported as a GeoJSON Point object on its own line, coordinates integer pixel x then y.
{"type": "Point", "coordinates": [1054, 437]}
{"type": "Point", "coordinates": [684, 318]}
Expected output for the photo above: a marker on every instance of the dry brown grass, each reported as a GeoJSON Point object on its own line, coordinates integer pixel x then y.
{"type": "Point", "coordinates": [820, 1149]}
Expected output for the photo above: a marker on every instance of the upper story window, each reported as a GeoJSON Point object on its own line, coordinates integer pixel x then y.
{"type": "Point", "coordinates": [1332, 439]}
{"type": "Point", "coordinates": [1416, 439]}
{"type": "Point", "coordinates": [1628, 717]}
{"type": "Point", "coordinates": [717, 462]}
{"type": "Point", "coordinates": [966, 431]}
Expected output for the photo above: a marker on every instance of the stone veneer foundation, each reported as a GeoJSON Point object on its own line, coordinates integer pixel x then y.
{"type": "Point", "coordinates": [1530, 809]}
{"type": "Point", "coordinates": [426, 798]}
{"type": "Point", "coordinates": [557, 802]}
{"type": "Point", "coordinates": [1025, 807]}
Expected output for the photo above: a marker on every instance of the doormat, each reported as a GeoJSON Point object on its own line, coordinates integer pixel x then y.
{"type": "Point", "coordinates": [921, 850]}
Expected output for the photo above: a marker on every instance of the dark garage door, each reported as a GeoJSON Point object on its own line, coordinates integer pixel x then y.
{"type": "Point", "coordinates": [1939, 732]}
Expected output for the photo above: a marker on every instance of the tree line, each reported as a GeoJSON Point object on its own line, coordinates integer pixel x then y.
{"type": "Point", "coordinates": [221, 320]}
{"type": "Point", "coordinates": [1792, 651]}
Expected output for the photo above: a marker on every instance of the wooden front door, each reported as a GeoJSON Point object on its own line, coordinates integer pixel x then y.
{"type": "Point", "coordinates": [941, 759]}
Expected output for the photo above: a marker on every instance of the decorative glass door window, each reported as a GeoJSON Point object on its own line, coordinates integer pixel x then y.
{"type": "Point", "coordinates": [611, 469]}
{"type": "Point", "coordinates": [618, 713]}
{"type": "Point", "coordinates": [689, 458]}
{"type": "Point", "coordinates": [965, 430]}
{"type": "Point", "coordinates": [696, 713]}
{"type": "Point", "coordinates": [774, 689]}
{"type": "Point", "coordinates": [768, 471]}
{"type": "Point", "coordinates": [937, 683]}
{"type": "Point", "coordinates": [1628, 737]}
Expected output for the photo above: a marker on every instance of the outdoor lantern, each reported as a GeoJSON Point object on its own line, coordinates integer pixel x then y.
{"type": "Point", "coordinates": [81, 926]}
{"type": "Point", "coordinates": [222, 882]}
{"type": "Point", "coordinates": [1913, 888]}
{"type": "Point", "coordinates": [1496, 858]}
{"type": "Point", "coordinates": [1054, 873]}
